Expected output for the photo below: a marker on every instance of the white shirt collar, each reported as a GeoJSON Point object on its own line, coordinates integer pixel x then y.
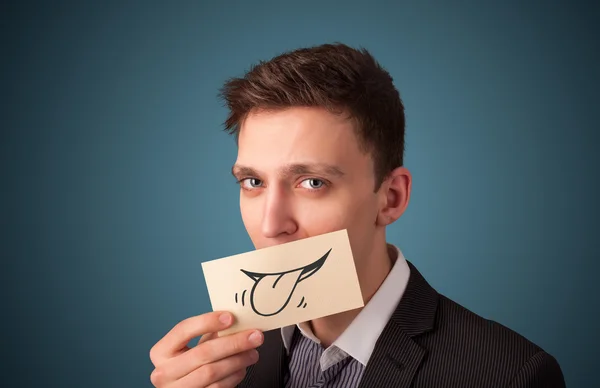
{"type": "Point", "coordinates": [359, 338]}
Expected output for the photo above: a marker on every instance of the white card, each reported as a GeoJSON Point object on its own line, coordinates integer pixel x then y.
{"type": "Point", "coordinates": [285, 284]}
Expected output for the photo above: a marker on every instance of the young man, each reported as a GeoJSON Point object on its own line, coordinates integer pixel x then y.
{"type": "Point", "coordinates": [320, 136]}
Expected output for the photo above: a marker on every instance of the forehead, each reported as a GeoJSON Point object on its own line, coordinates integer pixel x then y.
{"type": "Point", "coordinates": [297, 135]}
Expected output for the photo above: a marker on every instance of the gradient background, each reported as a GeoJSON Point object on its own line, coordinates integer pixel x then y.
{"type": "Point", "coordinates": [116, 183]}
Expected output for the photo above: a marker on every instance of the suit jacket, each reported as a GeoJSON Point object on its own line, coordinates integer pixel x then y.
{"type": "Point", "coordinates": [431, 341]}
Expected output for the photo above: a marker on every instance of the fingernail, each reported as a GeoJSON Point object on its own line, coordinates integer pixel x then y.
{"type": "Point", "coordinates": [256, 338]}
{"type": "Point", "coordinates": [254, 355]}
{"type": "Point", "coordinates": [225, 318]}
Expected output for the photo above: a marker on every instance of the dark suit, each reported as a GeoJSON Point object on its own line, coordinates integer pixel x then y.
{"type": "Point", "coordinates": [431, 341]}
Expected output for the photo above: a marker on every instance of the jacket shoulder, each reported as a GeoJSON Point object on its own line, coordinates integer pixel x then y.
{"type": "Point", "coordinates": [469, 346]}
{"type": "Point", "coordinates": [457, 322]}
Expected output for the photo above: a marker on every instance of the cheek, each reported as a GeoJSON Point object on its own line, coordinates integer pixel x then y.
{"type": "Point", "coordinates": [318, 217]}
{"type": "Point", "coordinates": [359, 219]}
{"type": "Point", "coordinates": [251, 216]}
{"type": "Point", "coordinates": [344, 212]}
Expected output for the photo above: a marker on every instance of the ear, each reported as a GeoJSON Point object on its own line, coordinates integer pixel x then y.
{"type": "Point", "coordinates": [395, 194]}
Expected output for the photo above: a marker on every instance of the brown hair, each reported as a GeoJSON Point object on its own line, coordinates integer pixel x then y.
{"type": "Point", "coordinates": [332, 76]}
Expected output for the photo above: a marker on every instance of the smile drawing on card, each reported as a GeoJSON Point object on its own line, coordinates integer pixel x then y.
{"type": "Point", "coordinates": [272, 292]}
{"type": "Point", "coordinates": [285, 284]}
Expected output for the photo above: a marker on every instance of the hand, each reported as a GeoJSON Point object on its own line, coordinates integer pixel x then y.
{"type": "Point", "coordinates": [216, 362]}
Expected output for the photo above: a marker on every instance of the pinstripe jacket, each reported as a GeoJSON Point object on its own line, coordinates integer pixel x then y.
{"type": "Point", "coordinates": [431, 341]}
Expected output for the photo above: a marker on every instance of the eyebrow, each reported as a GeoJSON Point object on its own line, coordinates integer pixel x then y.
{"type": "Point", "coordinates": [292, 169]}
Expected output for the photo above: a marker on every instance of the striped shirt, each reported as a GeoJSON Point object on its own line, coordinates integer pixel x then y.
{"type": "Point", "coordinates": [342, 364]}
{"type": "Point", "coordinates": [305, 366]}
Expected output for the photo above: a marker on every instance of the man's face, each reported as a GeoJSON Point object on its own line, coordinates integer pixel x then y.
{"type": "Point", "coordinates": [302, 174]}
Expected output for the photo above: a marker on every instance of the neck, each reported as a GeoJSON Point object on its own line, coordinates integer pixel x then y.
{"type": "Point", "coordinates": [371, 274]}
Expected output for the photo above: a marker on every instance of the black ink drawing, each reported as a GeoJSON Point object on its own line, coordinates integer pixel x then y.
{"type": "Point", "coordinates": [267, 298]}
{"type": "Point", "coordinates": [243, 295]}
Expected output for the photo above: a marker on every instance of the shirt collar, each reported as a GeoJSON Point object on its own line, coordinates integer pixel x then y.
{"type": "Point", "coordinates": [359, 338]}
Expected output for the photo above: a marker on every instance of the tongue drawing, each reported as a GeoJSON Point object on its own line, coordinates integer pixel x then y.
{"type": "Point", "coordinates": [272, 292]}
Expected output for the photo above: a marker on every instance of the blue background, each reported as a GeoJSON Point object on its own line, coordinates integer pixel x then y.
{"type": "Point", "coordinates": [116, 184]}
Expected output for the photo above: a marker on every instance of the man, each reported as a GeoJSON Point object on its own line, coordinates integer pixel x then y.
{"type": "Point", "coordinates": [320, 135]}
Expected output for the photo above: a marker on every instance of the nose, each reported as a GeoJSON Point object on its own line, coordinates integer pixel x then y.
{"type": "Point", "coordinates": [278, 220]}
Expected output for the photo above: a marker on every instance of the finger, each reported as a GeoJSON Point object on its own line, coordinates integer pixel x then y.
{"type": "Point", "coordinates": [210, 352]}
{"type": "Point", "coordinates": [207, 337]}
{"type": "Point", "coordinates": [221, 372]}
{"type": "Point", "coordinates": [231, 381]}
{"type": "Point", "coordinates": [179, 336]}
{"type": "Point", "coordinates": [222, 347]}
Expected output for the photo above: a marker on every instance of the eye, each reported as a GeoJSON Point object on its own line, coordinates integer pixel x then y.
{"type": "Point", "coordinates": [251, 183]}
{"type": "Point", "coordinates": [312, 184]}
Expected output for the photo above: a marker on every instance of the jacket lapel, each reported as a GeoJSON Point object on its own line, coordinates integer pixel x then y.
{"type": "Point", "coordinates": [396, 356]}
